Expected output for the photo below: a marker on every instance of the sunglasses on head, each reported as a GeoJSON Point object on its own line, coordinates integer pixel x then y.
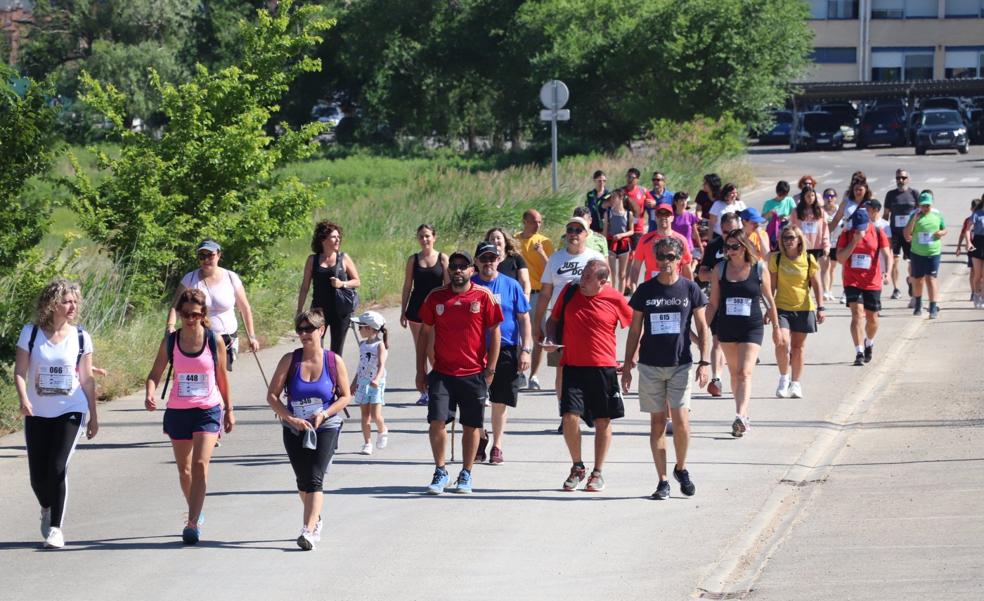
{"type": "Point", "coordinates": [575, 230]}
{"type": "Point", "coordinates": [305, 329]}
{"type": "Point", "coordinates": [666, 257]}
{"type": "Point", "coordinates": [732, 246]}
{"type": "Point", "coordinates": [192, 314]}
{"type": "Point", "coordinates": [458, 266]}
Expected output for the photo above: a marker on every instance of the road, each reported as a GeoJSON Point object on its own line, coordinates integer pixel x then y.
{"type": "Point", "coordinates": [868, 488]}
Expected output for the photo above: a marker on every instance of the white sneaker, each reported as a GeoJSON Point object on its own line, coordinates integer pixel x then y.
{"type": "Point", "coordinates": [55, 539]}
{"type": "Point", "coordinates": [366, 449]}
{"type": "Point", "coordinates": [45, 522]}
{"type": "Point", "coordinates": [782, 391]}
{"type": "Point", "coordinates": [306, 540]}
{"type": "Point", "coordinates": [534, 383]}
{"type": "Point", "coordinates": [795, 390]}
{"type": "Point", "coordinates": [842, 300]}
{"type": "Point", "coordinates": [316, 535]}
{"type": "Point", "coordinates": [382, 439]}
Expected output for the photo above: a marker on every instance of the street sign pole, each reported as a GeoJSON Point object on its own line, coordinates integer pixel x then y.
{"type": "Point", "coordinates": [553, 96]}
{"type": "Point", "coordinates": [553, 152]}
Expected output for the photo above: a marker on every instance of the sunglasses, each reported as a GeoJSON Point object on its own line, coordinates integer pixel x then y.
{"type": "Point", "coordinates": [205, 256]}
{"type": "Point", "coordinates": [305, 329]}
{"type": "Point", "coordinates": [901, 177]}
{"type": "Point", "coordinates": [732, 246]}
{"type": "Point", "coordinates": [575, 230]}
{"type": "Point", "coordinates": [192, 315]}
{"type": "Point", "coordinates": [789, 238]}
{"type": "Point", "coordinates": [830, 196]}
{"type": "Point", "coordinates": [487, 259]}
{"type": "Point", "coordinates": [658, 179]}
{"type": "Point", "coordinates": [666, 257]}
{"type": "Point", "coordinates": [458, 266]}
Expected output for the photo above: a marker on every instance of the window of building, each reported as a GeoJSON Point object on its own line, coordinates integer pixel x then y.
{"type": "Point", "coordinates": [835, 56]}
{"type": "Point", "coordinates": [901, 64]}
{"type": "Point", "coordinates": [965, 8]}
{"type": "Point", "coordinates": [904, 9]}
{"type": "Point", "coordinates": [834, 9]}
{"type": "Point", "coordinates": [963, 62]}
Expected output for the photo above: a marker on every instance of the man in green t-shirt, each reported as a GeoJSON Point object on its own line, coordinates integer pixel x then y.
{"type": "Point", "coordinates": [925, 232]}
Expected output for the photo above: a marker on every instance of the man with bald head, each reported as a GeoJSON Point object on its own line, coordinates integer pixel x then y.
{"type": "Point", "coordinates": [536, 249]}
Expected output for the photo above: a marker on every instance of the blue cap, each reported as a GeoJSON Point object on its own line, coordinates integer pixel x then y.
{"type": "Point", "coordinates": [752, 214]}
{"type": "Point", "coordinates": [860, 219]}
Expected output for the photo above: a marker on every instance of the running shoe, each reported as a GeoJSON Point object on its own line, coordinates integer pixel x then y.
{"type": "Point", "coordinates": [439, 482]}
{"type": "Point", "coordinates": [842, 300]}
{"type": "Point", "coordinates": [316, 535]}
{"type": "Point", "coordinates": [463, 485]}
{"type": "Point", "coordinates": [55, 538]}
{"type": "Point", "coordinates": [495, 456]}
{"type": "Point", "coordinates": [306, 539]}
{"type": "Point", "coordinates": [483, 443]}
{"type": "Point", "coordinates": [45, 521]}
{"type": "Point", "coordinates": [868, 350]}
{"type": "Point", "coordinates": [662, 491]}
{"type": "Point", "coordinates": [189, 535]}
{"type": "Point", "coordinates": [560, 428]}
{"type": "Point", "coordinates": [738, 428]}
{"type": "Point", "coordinates": [859, 359]}
{"type": "Point", "coordinates": [795, 390]}
{"type": "Point", "coordinates": [683, 477]}
{"type": "Point", "coordinates": [782, 390]}
{"type": "Point", "coordinates": [934, 311]}
{"type": "Point", "coordinates": [423, 399]}
{"type": "Point", "coordinates": [366, 449]}
{"type": "Point", "coordinates": [595, 482]}
{"type": "Point", "coordinates": [912, 302]}
{"type": "Point", "coordinates": [896, 294]}
{"type": "Point", "coordinates": [522, 381]}
{"type": "Point", "coordinates": [534, 384]}
{"type": "Point", "coordinates": [382, 439]}
{"type": "Point", "coordinates": [714, 387]}
{"type": "Point", "coordinates": [917, 310]}
{"type": "Point", "coordinates": [577, 474]}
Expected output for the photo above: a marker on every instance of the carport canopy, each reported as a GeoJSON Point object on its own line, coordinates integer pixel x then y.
{"type": "Point", "coordinates": [808, 93]}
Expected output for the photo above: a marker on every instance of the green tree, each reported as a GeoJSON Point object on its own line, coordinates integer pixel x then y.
{"type": "Point", "coordinates": [213, 171]}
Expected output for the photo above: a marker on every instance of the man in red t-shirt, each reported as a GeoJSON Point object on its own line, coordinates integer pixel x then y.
{"type": "Point", "coordinates": [460, 317]}
{"type": "Point", "coordinates": [645, 256]}
{"type": "Point", "coordinates": [639, 196]}
{"type": "Point", "coordinates": [586, 317]}
{"type": "Point", "coordinates": [857, 251]}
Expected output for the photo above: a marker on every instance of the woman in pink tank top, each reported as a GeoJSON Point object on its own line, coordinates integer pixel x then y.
{"type": "Point", "coordinates": [199, 389]}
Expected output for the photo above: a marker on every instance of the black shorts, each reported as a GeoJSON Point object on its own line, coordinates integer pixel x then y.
{"type": "Point", "coordinates": [817, 253]}
{"type": "Point", "coordinates": [505, 384]}
{"type": "Point", "coordinates": [635, 240]}
{"type": "Point", "coordinates": [925, 266]}
{"type": "Point", "coordinates": [804, 322]}
{"type": "Point", "coordinates": [447, 394]}
{"type": "Point", "coordinates": [900, 246]}
{"type": "Point", "coordinates": [311, 465]}
{"type": "Point", "coordinates": [871, 299]}
{"type": "Point", "coordinates": [591, 392]}
{"type": "Point", "coordinates": [978, 252]}
{"type": "Point", "coordinates": [833, 253]}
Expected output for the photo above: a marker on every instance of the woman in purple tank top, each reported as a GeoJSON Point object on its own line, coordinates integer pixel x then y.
{"type": "Point", "coordinates": [317, 387]}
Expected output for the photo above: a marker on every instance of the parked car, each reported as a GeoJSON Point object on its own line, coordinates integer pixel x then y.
{"type": "Point", "coordinates": [941, 129]}
{"type": "Point", "coordinates": [976, 129]}
{"type": "Point", "coordinates": [816, 129]}
{"type": "Point", "coordinates": [779, 134]}
{"type": "Point", "coordinates": [947, 102]}
{"type": "Point", "coordinates": [325, 112]}
{"type": "Point", "coordinates": [846, 114]}
{"type": "Point", "coordinates": [881, 126]}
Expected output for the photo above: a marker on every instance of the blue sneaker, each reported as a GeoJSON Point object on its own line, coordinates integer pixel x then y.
{"type": "Point", "coordinates": [439, 483]}
{"type": "Point", "coordinates": [463, 486]}
{"type": "Point", "coordinates": [190, 535]}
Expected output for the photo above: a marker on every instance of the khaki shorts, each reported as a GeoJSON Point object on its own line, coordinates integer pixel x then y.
{"type": "Point", "coordinates": [659, 385]}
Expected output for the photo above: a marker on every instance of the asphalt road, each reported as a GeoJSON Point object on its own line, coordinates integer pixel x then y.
{"type": "Point", "coordinates": [868, 488]}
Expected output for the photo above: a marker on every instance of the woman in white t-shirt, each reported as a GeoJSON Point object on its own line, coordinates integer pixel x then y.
{"type": "Point", "coordinates": [224, 293]}
{"type": "Point", "coordinates": [53, 376]}
{"type": "Point", "coordinates": [729, 204]}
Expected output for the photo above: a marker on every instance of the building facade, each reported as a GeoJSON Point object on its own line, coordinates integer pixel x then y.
{"type": "Point", "coordinates": [896, 40]}
{"type": "Point", "coordinates": [15, 16]}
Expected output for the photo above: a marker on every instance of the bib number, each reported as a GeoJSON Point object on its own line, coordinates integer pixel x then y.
{"type": "Point", "coordinates": [860, 261]}
{"type": "Point", "coordinates": [809, 227]}
{"type": "Point", "coordinates": [737, 306]}
{"type": "Point", "coordinates": [901, 220]}
{"type": "Point", "coordinates": [926, 238]}
{"type": "Point", "coordinates": [664, 323]}
{"type": "Point", "coordinates": [306, 408]}
{"type": "Point", "coordinates": [193, 385]}
{"type": "Point", "coordinates": [55, 380]}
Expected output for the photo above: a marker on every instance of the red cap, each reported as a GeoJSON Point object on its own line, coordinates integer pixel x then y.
{"type": "Point", "coordinates": [664, 207]}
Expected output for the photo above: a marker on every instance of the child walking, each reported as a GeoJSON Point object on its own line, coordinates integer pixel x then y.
{"type": "Point", "coordinates": [370, 378]}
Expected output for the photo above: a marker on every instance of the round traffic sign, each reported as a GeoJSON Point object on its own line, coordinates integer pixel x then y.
{"type": "Point", "coordinates": [554, 95]}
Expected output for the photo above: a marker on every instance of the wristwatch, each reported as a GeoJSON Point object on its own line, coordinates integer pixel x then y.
{"type": "Point", "coordinates": [820, 309]}
{"type": "Point", "coordinates": [526, 349]}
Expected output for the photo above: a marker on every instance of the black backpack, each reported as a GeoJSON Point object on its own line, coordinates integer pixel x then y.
{"type": "Point", "coordinates": [172, 340]}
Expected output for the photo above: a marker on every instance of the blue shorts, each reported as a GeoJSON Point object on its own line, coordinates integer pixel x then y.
{"type": "Point", "coordinates": [924, 266]}
{"type": "Point", "coordinates": [367, 395]}
{"type": "Point", "coordinates": [181, 424]}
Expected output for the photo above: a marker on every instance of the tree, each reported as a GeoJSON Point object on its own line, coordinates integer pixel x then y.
{"type": "Point", "coordinates": [212, 173]}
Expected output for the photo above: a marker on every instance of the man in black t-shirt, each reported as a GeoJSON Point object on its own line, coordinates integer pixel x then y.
{"type": "Point", "coordinates": [900, 203]}
{"type": "Point", "coordinates": [662, 310]}
{"type": "Point", "coordinates": [713, 254]}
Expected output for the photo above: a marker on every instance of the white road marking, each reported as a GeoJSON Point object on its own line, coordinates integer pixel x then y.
{"type": "Point", "coordinates": [871, 180]}
{"type": "Point", "coordinates": [970, 180]}
{"type": "Point", "coordinates": [833, 181]}
{"type": "Point", "coordinates": [778, 160]}
{"type": "Point", "coordinates": [935, 180]}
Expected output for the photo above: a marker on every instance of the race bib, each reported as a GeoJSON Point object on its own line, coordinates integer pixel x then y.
{"type": "Point", "coordinates": [192, 385]}
{"type": "Point", "coordinates": [306, 408]}
{"type": "Point", "coordinates": [55, 380]}
{"type": "Point", "coordinates": [741, 307]}
{"type": "Point", "coordinates": [664, 323]}
{"type": "Point", "coordinates": [809, 227]}
{"type": "Point", "coordinates": [860, 261]}
{"type": "Point", "coordinates": [901, 220]}
{"type": "Point", "coordinates": [926, 238]}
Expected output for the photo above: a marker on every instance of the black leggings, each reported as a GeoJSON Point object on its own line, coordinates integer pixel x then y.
{"type": "Point", "coordinates": [338, 330]}
{"type": "Point", "coordinates": [310, 465]}
{"type": "Point", "coordinates": [50, 444]}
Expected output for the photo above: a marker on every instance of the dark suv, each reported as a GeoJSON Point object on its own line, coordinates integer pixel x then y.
{"type": "Point", "coordinates": [779, 134]}
{"type": "Point", "coordinates": [881, 126]}
{"type": "Point", "coordinates": [941, 129]}
{"type": "Point", "coordinates": [846, 114]}
{"type": "Point", "coordinates": [816, 129]}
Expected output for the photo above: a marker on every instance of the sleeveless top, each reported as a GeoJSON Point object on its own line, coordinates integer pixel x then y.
{"type": "Point", "coordinates": [424, 280]}
{"type": "Point", "coordinates": [617, 224]}
{"type": "Point", "coordinates": [369, 361]}
{"type": "Point", "coordinates": [740, 306]}
{"type": "Point", "coordinates": [194, 385]}
{"type": "Point", "coordinates": [324, 294]}
{"type": "Point", "coordinates": [305, 399]}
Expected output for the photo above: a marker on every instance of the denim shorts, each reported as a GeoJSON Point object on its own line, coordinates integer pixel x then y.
{"type": "Point", "coordinates": [367, 395]}
{"type": "Point", "coordinates": [182, 424]}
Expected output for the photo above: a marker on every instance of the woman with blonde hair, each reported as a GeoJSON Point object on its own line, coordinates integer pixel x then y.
{"type": "Point", "coordinates": [512, 264]}
{"type": "Point", "coordinates": [53, 377]}
{"type": "Point", "coordinates": [795, 275]}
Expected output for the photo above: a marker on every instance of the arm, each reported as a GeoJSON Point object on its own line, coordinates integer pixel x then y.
{"type": "Point", "coordinates": [886, 253]}
{"type": "Point", "coordinates": [546, 291]}
{"type": "Point", "coordinates": [305, 285]}
{"type": "Point", "coordinates": [172, 313]}
{"type": "Point", "coordinates": [423, 341]}
{"type": "Point", "coordinates": [380, 366]}
{"type": "Point", "coordinates": [844, 254]}
{"type": "Point", "coordinates": [631, 347]}
{"type": "Point", "coordinates": [352, 273]}
{"type": "Point", "coordinates": [407, 287]}
{"type": "Point", "coordinates": [277, 384]}
{"type": "Point", "coordinates": [527, 340]}
{"type": "Point", "coordinates": [21, 368]}
{"type": "Point", "coordinates": [687, 269]}
{"type": "Point", "coordinates": [634, 268]}
{"type": "Point", "coordinates": [766, 287]}
{"type": "Point", "coordinates": [712, 221]}
{"type": "Point", "coordinates": [715, 299]}
{"type": "Point", "coordinates": [222, 381]}
{"type": "Point", "coordinates": [446, 278]}
{"type": "Point", "coordinates": [88, 384]}
{"type": "Point", "coordinates": [524, 280]}
{"type": "Point", "coordinates": [703, 343]}
{"type": "Point", "coordinates": [774, 281]}
{"type": "Point", "coordinates": [495, 343]}
{"type": "Point", "coordinates": [907, 232]}
{"type": "Point", "coordinates": [838, 216]}
{"type": "Point", "coordinates": [154, 377]}
{"type": "Point", "coordinates": [695, 236]}
{"type": "Point", "coordinates": [824, 235]}
{"type": "Point", "coordinates": [818, 293]}
{"type": "Point", "coordinates": [343, 394]}
{"type": "Point", "coordinates": [247, 312]}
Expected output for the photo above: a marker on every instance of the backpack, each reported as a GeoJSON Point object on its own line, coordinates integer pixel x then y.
{"type": "Point", "coordinates": [34, 335]}
{"type": "Point", "coordinates": [811, 267]}
{"type": "Point", "coordinates": [295, 360]}
{"type": "Point", "coordinates": [566, 297]}
{"type": "Point", "coordinates": [346, 299]}
{"type": "Point", "coordinates": [172, 340]}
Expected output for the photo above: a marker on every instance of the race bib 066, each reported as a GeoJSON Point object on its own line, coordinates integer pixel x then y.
{"type": "Point", "coordinates": [193, 385]}
{"type": "Point", "coordinates": [55, 380]}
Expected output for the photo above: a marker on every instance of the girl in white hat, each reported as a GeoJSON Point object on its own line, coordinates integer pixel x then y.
{"type": "Point", "coordinates": [370, 378]}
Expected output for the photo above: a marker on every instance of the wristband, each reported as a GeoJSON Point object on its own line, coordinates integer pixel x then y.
{"type": "Point", "coordinates": [703, 363]}
{"type": "Point", "coordinates": [820, 309]}
{"type": "Point", "coordinates": [526, 349]}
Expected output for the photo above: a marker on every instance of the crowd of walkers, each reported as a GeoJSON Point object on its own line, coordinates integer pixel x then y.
{"type": "Point", "coordinates": [710, 272]}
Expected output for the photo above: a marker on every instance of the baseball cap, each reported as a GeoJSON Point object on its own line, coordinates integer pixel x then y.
{"type": "Point", "coordinates": [752, 214]}
{"type": "Point", "coordinates": [209, 245]}
{"type": "Point", "coordinates": [578, 220]}
{"type": "Point", "coordinates": [460, 253]}
{"type": "Point", "coordinates": [485, 248]}
{"type": "Point", "coordinates": [860, 220]}
{"type": "Point", "coordinates": [664, 207]}
{"type": "Point", "coordinates": [926, 198]}
{"type": "Point", "coordinates": [372, 319]}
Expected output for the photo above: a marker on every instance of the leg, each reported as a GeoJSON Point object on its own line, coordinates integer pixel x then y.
{"type": "Point", "coordinates": [681, 437]}
{"type": "Point", "coordinates": [917, 286]}
{"type": "Point", "coordinates": [613, 266]}
{"type": "Point", "coordinates": [366, 427]}
{"type": "Point", "coordinates": [857, 328]}
{"type": "Point", "coordinates": [824, 280]}
{"type": "Point", "coordinates": [895, 271]}
{"type": "Point", "coordinates": [870, 324]}
{"type": "Point", "coordinates": [603, 440]}
{"type": "Point", "coordinates": [730, 352]}
{"type": "Point", "coordinates": [717, 358]}
{"type": "Point", "coordinates": [932, 288]}
{"type": "Point", "coordinates": [623, 268]}
{"type": "Point", "coordinates": [182, 458]}
{"type": "Point", "coordinates": [657, 441]}
{"type": "Point", "coordinates": [572, 435]}
{"type": "Point", "coordinates": [203, 443]}
{"type": "Point", "coordinates": [339, 330]}
{"type": "Point", "coordinates": [439, 442]}
{"type": "Point", "coordinates": [798, 343]}
{"type": "Point", "coordinates": [377, 418]}
{"type": "Point", "coordinates": [38, 441]}
{"type": "Point", "coordinates": [66, 430]}
{"type": "Point", "coordinates": [469, 445]}
{"type": "Point", "coordinates": [782, 352]}
{"type": "Point", "coordinates": [318, 461]}
{"type": "Point", "coordinates": [498, 423]}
